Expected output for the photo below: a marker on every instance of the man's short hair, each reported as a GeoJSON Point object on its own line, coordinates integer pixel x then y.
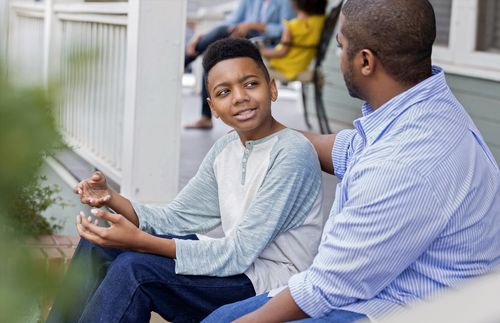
{"type": "Point", "coordinates": [228, 48]}
{"type": "Point", "coordinates": [399, 32]}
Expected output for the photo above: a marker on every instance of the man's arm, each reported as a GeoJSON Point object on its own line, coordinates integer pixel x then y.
{"type": "Point", "coordinates": [324, 146]}
{"type": "Point", "coordinates": [390, 219]}
{"type": "Point", "coordinates": [242, 29]}
{"type": "Point", "coordinates": [275, 28]}
{"type": "Point", "coordinates": [238, 15]}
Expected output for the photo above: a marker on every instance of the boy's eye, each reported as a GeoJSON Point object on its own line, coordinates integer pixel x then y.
{"type": "Point", "coordinates": [223, 92]}
{"type": "Point", "coordinates": [251, 84]}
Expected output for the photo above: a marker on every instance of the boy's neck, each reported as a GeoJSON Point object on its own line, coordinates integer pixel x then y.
{"type": "Point", "coordinates": [272, 127]}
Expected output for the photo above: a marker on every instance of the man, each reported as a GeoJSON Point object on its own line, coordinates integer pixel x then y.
{"type": "Point", "coordinates": [252, 18]}
{"type": "Point", "coordinates": [418, 208]}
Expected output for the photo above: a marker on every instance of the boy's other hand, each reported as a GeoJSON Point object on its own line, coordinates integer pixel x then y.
{"type": "Point", "coordinates": [94, 191]}
{"type": "Point", "coordinates": [121, 233]}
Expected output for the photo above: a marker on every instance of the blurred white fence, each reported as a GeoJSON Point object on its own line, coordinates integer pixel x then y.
{"type": "Point", "coordinates": [26, 24]}
{"type": "Point", "coordinates": [119, 66]}
{"type": "Point", "coordinates": [92, 67]}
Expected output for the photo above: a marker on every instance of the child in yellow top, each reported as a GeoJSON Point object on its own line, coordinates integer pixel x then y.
{"type": "Point", "coordinates": [299, 40]}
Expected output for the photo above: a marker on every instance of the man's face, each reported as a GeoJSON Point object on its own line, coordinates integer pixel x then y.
{"type": "Point", "coordinates": [346, 63]}
{"type": "Point", "coordinates": [241, 96]}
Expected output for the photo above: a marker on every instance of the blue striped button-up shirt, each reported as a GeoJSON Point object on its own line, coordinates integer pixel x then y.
{"type": "Point", "coordinates": [417, 210]}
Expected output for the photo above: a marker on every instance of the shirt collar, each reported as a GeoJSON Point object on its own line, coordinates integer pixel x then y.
{"type": "Point", "coordinates": [374, 122]}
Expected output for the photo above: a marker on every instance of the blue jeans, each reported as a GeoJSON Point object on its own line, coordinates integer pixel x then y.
{"type": "Point", "coordinates": [116, 285]}
{"type": "Point", "coordinates": [231, 312]}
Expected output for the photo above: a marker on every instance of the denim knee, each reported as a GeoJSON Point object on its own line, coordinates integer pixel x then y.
{"type": "Point", "coordinates": [134, 266]}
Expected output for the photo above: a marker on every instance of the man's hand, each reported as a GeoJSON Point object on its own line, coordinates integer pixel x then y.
{"type": "Point", "coordinates": [94, 191]}
{"type": "Point", "coordinates": [242, 30]}
{"type": "Point", "coordinates": [280, 308]}
{"type": "Point", "coordinates": [191, 46]}
{"type": "Point", "coordinates": [121, 234]}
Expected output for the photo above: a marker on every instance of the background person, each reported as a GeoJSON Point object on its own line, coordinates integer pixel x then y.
{"type": "Point", "coordinates": [252, 18]}
{"type": "Point", "coordinates": [299, 41]}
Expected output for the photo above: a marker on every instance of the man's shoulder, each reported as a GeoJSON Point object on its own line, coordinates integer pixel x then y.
{"type": "Point", "coordinates": [426, 135]}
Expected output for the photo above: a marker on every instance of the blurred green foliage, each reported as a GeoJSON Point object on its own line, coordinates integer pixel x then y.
{"type": "Point", "coordinates": [27, 132]}
{"type": "Point", "coordinates": [32, 201]}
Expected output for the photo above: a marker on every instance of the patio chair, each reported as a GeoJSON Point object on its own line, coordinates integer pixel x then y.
{"type": "Point", "coordinates": [315, 75]}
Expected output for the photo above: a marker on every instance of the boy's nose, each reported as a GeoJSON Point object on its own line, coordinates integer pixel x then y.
{"type": "Point", "coordinates": [239, 95]}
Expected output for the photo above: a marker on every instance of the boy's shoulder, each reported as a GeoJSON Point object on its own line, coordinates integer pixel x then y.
{"type": "Point", "coordinates": [294, 143]}
{"type": "Point", "coordinates": [288, 142]}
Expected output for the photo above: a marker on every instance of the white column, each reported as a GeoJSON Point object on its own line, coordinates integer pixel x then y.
{"type": "Point", "coordinates": [4, 18]}
{"type": "Point", "coordinates": [48, 33]}
{"type": "Point", "coordinates": [155, 54]}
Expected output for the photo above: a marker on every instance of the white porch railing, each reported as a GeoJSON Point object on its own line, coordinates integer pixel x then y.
{"type": "Point", "coordinates": [92, 71]}
{"type": "Point", "coordinates": [120, 70]}
{"type": "Point", "coordinates": [26, 23]}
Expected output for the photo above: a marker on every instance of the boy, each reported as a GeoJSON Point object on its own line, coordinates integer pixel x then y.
{"type": "Point", "coordinates": [299, 40]}
{"type": "Point", "coordinates": [260, 182]}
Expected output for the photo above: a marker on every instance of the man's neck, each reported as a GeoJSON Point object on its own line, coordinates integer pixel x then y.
{"type": "Point", "coordinates": [384, 90]}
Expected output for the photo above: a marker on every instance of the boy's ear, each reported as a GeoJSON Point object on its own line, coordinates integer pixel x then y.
{"type": "Point", "coordinates": [274, 90]}
{"type": "Point", "coordinates": [210, 104]}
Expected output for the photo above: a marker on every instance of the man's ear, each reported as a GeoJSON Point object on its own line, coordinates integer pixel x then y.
{"type": "Point", "coordinates": [274, 90]}
{"type": "Point", "coordinates": [369, 62]}
{"type": "Point", "coordinates": [210, 104]}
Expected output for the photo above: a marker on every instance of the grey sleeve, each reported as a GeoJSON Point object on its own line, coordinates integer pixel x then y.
{"type": "Point", "coordinates": [283, 201]}
{"type": "Point", "coordinates": [194, 210]}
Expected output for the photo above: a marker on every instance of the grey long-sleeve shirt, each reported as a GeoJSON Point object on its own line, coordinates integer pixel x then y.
{"type": "Point", "coordinates": [265, 194]}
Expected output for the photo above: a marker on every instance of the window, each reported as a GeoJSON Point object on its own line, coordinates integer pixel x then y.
{"type": "Point", "coordinates": [488, 31]}
{"type": "Point", "coordinates": [442, 10]}
{"type": "Point", "coordinates": [468, 37]}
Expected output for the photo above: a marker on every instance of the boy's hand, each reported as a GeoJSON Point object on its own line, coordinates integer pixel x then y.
{"type": "Point", "coordinates": [121, 234]}
{"type": "Point", "coordinates": [94, 191]}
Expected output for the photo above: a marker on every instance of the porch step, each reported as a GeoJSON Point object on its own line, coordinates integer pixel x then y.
{"type": "Point", "coordinates": [54, 251]}
{"type": "Point", "coordinates": [54, 254]}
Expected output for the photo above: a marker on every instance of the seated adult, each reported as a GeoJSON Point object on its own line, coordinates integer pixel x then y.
{"type": "Point", "coordinates": [418, 208]}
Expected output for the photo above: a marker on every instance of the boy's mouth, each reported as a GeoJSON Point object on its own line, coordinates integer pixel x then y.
{"type": "Point", "coordinates": [245, 114]}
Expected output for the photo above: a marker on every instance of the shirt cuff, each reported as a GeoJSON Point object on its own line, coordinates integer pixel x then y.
{"type": "Point", "coordinates": [187, 255]}
{"type": "Point", "coordinates": [305, 295]}
{"type": "Point", "coordinates": [340, 150]}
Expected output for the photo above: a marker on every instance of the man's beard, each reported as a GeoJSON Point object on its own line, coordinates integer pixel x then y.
{"type": "Point", "coordinates": [349, 83]}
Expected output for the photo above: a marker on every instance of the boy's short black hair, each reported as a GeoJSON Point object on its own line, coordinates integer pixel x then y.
{"type": "Point", "coordinates": [311, 7]}
{"type": "Point", "coordinates": [228, 48]}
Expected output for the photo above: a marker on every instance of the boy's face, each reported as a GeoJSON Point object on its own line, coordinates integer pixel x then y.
{"type": "Point", "coordinates": [241, 96]}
